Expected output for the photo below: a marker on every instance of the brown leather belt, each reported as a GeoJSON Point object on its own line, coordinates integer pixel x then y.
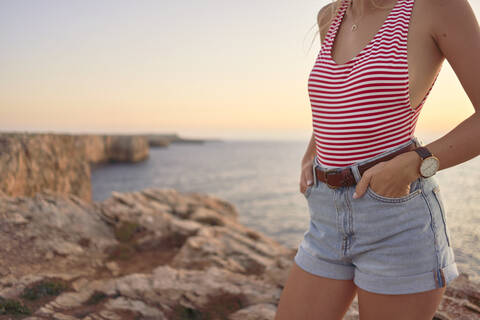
{"type": "Point", "coordinates": [335, 178]}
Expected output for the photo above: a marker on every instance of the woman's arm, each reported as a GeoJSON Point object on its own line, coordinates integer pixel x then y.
{"type": "Point", "coordinates": [306, 175]}
{"type": "Point", "coordinates": [456, 32]}
{"type": "Point", "coordinates": [310, 152]}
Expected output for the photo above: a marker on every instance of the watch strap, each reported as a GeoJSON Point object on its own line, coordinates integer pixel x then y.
{"type": "Point", "coordinates": [423, 152]}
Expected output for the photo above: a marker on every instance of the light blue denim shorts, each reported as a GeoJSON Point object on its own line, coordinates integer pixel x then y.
{"type": "Point", "coordinates": [386, 245]}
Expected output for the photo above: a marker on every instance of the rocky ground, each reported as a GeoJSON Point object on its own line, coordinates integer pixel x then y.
{"type": "Point", "coordinates": [153, 254]}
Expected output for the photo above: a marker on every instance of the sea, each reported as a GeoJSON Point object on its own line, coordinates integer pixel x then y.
{"type": "Point", "coordinates": [261, 178]}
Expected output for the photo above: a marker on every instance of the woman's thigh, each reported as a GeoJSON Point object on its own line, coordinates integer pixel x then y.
{"type": "Point", "coordinates": [307, 296]}
{"type": "Point", "coordinates": [415, 306]}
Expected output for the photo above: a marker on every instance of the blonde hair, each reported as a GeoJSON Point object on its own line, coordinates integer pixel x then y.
{"type": "Point", "coordinates": [334, 6]}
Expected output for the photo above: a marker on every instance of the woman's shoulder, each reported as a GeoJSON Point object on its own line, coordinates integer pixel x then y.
{"type": "Point", "coordinates": [325, 13]}
{"type": "Point", "coordinates": [325, 16]}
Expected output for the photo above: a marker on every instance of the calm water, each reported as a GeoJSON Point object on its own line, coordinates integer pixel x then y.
{"type": "Point", "coordinates": [261, 178]}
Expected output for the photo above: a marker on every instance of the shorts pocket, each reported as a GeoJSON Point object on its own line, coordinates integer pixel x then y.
{"type": "Point", "coordinates": [439, 199]}
{"type": "Point", "coordinates": [415, 191]}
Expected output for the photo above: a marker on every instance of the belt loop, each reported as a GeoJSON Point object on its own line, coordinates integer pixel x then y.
{"type": "Point", "coordinates": [315, 182]}
{"type": "Point", "coordinates": [355, 172]}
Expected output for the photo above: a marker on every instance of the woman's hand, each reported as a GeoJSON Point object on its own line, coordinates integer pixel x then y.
{"type": "Point", "coordinates": [306, 176]}
{"type": "Point", "coordinates": [391, 178]}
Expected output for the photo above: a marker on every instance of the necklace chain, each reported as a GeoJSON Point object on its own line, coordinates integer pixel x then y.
{"type": "Point", "coordinates": [355, 25]}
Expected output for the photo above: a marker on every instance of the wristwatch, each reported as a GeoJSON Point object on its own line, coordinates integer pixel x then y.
{"type": "Point", "coordinates": [429, 164]}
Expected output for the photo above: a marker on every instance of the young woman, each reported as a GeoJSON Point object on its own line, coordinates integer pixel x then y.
{"type": "Point", "coordinates": [377, 217]}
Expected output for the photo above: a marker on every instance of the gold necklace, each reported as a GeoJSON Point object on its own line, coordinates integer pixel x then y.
{"type": "Point", "coordinates": [355, 25]}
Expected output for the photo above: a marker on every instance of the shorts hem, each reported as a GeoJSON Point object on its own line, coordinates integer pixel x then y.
{"type": "Point", "coordinates": [322, 268]}
{"type": "Point", "coordinates": [405, 284]}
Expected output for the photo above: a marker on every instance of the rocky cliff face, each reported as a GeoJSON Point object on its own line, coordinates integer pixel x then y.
{"type": "Point", "coordinates": [151, 254]}
{"type": "Point", "coordinates": [33, 162]}
{"type": "Point", "coordinates": [113, 148]}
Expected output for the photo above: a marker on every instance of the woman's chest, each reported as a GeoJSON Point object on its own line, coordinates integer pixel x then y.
{"type": "Point", "coordinates": [401, 55]}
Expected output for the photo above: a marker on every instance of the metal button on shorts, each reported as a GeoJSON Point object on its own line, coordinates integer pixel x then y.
{"type": "Point", "coordinates": [386, 245]}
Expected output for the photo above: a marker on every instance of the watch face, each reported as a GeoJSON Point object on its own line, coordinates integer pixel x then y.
{"type": "Point", "coordinates": [429, 166]}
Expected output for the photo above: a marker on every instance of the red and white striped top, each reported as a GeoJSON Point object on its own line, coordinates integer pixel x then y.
{"type": "Point", "coordinates": [362, 108]}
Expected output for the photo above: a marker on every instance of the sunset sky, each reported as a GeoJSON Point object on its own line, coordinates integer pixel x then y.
{"type": "Point", "coordinates": [203, 69]}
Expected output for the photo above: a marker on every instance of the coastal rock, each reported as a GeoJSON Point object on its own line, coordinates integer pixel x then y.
{"type": "Point", "coordinates": [161, 140]}
{"type": "Point", "coordinates": [126, 148]}
{"type": "Point", "coordinates": [37, 162]}
{"type": "Point", "coordinates": [67, 229]}
{"type": "Point", "coordinates": [112, 148]}
{"type": "Point", "coordinates": [158, 140]}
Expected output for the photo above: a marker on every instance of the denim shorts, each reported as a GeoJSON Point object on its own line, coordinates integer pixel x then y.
{"type": "Point", "coordinates": [386, 245]}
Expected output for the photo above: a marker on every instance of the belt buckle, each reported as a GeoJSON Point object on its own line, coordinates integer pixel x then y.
{"type": "Point", "coordinates": [326, 172]}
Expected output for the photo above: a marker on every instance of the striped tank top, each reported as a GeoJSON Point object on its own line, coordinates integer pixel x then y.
{"type": "Point", "coordinates": [362, 108]}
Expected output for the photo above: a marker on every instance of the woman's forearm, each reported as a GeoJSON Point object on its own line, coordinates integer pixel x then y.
{"type": "Point", "coordinates": [310, 152]}
{"type": "Point", "coordinates": [457, 146]}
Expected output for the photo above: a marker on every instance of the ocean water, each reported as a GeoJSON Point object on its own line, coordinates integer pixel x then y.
{"type": "Point", "coordinates": [261, 178]}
